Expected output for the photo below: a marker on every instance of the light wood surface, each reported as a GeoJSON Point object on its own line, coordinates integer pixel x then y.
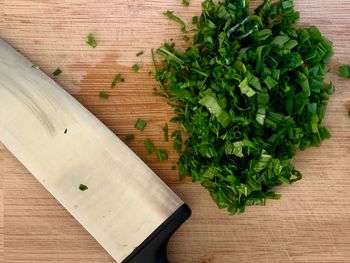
{"type": "Point", "coordinates": [311, 223]}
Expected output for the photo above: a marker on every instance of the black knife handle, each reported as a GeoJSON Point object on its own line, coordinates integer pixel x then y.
{"type": "Point", "coordinates": [154, 248]}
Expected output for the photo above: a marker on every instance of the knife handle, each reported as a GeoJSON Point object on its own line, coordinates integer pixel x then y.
{"type": "Point", "coordinates": [154, 248]}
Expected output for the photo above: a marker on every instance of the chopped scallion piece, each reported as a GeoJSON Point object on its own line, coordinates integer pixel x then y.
{"type": "Point", "coordinates": [135, 67]}
{"type": "Point", "coordinates": [103, 95]}
{"type": "Point", "coordinates": [83, 187]}
{"type": "Point", "coordinates": [57, 72]}
{"type": "Point", "coordinates": [139, 54]}
{"type": "Point", "coordinates": [149, 145]}
{"type": "Point", "coordinates": [90, 40]}
{"type": "Point", "coordinates": [162, 155]}
{"type": "Point", "coordinates": [344, 71]}
{"type": "Point", "coordinates": [140, 124]}
{"type": "Point", "coordinates": [130, 137]}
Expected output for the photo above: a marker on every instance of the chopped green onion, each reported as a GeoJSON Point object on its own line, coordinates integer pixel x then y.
{"type": "Point", "coordinates": [83, 187]}
{"type": "Point", "coordinates": [248, 93]}
{"type": "Point", "coordinates": [186, 2]}
{"type": "Point", "coordinates": [117, 79]}
{"type": "Point", "coordinates": [57, 72]}
{"type": "Point", "coordinates": [139, 54]}
{"type": "Point", "coordinates": [103, 95]}
{"type": "Point", "coordinates": [162, 155]}
{"type": "Point", "coordinates": [171, 16]}
{"type": "Point", "coordinates": [149, 145]}
{"type": "Point", "coordinates": [344, 71]}
{"type": "Point", "coordinates": [140, 124]}
{"type": "Point", "coordinates": [135, 67]}
{"type": "Point", "coordinates": [130, 137]}
{"type": "Point", "coordinates": [90, 40]}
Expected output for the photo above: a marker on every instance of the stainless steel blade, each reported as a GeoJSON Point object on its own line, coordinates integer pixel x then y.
{"type": "Point", "coordinates": [126, 201]}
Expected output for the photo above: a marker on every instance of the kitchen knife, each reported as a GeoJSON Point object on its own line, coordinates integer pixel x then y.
{"type": "Point", "coordinates": [127, 208]}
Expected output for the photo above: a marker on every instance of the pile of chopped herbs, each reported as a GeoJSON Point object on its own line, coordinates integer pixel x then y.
{"type": "Point", "coordinates": [248, 93]}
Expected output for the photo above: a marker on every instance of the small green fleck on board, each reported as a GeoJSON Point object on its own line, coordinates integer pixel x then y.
{"type": "Point", "coordinates": [176, 19]}
{"type": "Point", "coordinates": [185, 2]}
{"type": "Point", "coordinates": [135, 67]}
{"type": "Point", "coordinates": [344, 71]}
{"type": "Point", "coordinates": [117, 79]}
{"type": "Point", "coordinates": [139, 54]}
{"type": "Point", "coordinates": [130, 137]}
{"type": "Point", "coordinates": [57, 72]}
{"type": "Point", "coordinates": [103, 95]}
{"type": "Point", "coordinates": [162, 155]}
{"type": "Point", "coordinates": [149, 145]}
{"type": "Point", "coordinates": [140, 125]}
{"type": "Point", "coordinates": [91, 41]}
{"type": "Point", "coordinates": [83, 187]}
{"type": "Point", "coordinates": [35, 66]}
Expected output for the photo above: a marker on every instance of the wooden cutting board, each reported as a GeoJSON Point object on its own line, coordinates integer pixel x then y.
{"type": "Point", "coordinates": [311, 223]}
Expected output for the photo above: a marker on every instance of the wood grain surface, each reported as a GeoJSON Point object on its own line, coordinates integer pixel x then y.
{"type": "Point", "coordinates": [311, 223]}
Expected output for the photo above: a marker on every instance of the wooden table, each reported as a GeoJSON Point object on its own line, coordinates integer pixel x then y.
{"type": "Point", "coordinates": [311, 223]}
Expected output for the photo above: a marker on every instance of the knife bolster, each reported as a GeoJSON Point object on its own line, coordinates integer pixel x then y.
{"type": "Point", "coordinates": [154, 248]}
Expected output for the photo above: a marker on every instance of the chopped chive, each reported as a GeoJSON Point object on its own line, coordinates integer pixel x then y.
{"type": "Point", "coordinates": [171, 16]}
{"type": "Point", "coordinates": [186, 2]}
{"type": "Point", "coordinates": [117, 79]}
{"type": "Point", "coordinates": [248, 94]}
{"type": "Point", "coordinates": [35, 66]}
{"type": "Point", "coordinates": [344, 71]}
{"type": "Point", "coordinates": [57, 72]}
{"type": "Point", "coordinates": [140, 124]}
{"type": "Point", "coordinates": [130, 137]}
{"type": "Point", "coordinates": [162, 155]}
{"type": "Point", "coordinates": [103, 95]}
{"type": "Point", "coordinates": [194, 20]}
{"type": "Point", "coordinates": [149, 145]}
{"type": "Point", "coordinates": [177, 141]}
{"type": "Point", "coordinates": [90, 40]}
{"type": "Point", "coordinates": [83, 187]}
{"type": "Point", "coordinates": [135, 67]}
{"type": "Point", "coordinates": [139, 54]}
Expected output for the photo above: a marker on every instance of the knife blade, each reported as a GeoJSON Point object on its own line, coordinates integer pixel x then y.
{"type": "Point", "coordinates": [127, 208]}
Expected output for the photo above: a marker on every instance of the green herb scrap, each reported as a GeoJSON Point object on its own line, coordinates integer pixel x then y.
{"type": "Point", "coordinates": [149, 145]}
{"type": "Point", "coordinates": [57, 72]}
{"type": "Point", "coordinates": [90, 40]}
{"type": "Point", "coordinates": [103, 95]}
{"type": "Point", "coordinates": [139, 54]}
{"type": "Point", "coordinates": [248, 94]}
{"type": "Point", "coordinates": [344, 71]}
{"type": "Point", "coordinates": [162, 155]}
{"type": "Point", "coordinates": [135, 67]}
{"type": "Point", "coordinates": [117, 79]}
{"type": "Point", "coordinates": [186, 2]}
{"type": "Point", "coordinates": [140, 124]}
{"type": "Point", "coordinates": [83, 187]}
{"type": "Point", "coordinates": [171, 16]}
{"type": "Point", "coordinates": [130, 137]}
